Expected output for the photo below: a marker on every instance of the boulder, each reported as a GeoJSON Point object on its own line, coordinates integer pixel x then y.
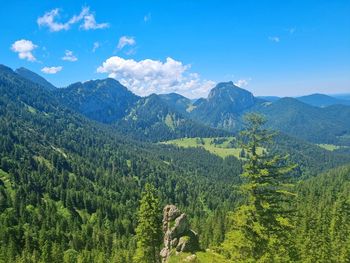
{"type": "Point", "coordinates": [178, 236]}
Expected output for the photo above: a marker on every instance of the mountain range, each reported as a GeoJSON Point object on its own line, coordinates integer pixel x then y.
{"type": "Point", "coordinates": [316, 118]}
{"type": "Point", "coordinates": [74, 162]}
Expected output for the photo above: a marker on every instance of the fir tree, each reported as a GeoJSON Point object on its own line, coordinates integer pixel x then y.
{"type": "Point", "coordinates": [261, 226]}
{"type": "Point", "coordinates": [148, 231]}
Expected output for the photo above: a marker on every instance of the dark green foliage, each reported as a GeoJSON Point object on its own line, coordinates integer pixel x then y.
{"type": "Point", "coordinates": [323, 217]}
{"type": "Point", "coordinates": [70, 187]}
{"type": "Point", "coordinates": [149, 228]}
{"type": "Point", "coordinates": [261, 226]}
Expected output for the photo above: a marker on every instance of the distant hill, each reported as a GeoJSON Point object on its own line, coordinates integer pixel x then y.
{"type": "Point", "coordinates": [103, 100]}
{"type": "Point", "coordinates": [153, 119]}
{"type": "Point", "coordinates": [33, 77]}
{"type": "Point", "coordinates": [269, 98]}
{"type": "Point", "coordinates": [177, 102]}
{"type": "Point", "coordinates": [314, 124]}
{"type": "Point", "coordinates": [345, 96]}
{"type": "Point", "coordinates": [321, 100]}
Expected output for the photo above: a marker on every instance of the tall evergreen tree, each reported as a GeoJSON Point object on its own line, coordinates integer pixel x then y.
{"type": "Point", "coordinates": [148, 231]}
{"type": "Point", "coordinates": [260, 231]}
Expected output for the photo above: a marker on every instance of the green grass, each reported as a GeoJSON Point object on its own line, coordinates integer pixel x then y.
{"type": "Point", "coordinates": [201, 257]}
{"type": "Point", "coordinates": [5, 178]}
{"type": "Point", "coordinates": [330, 147]}
{"type": "Point", "coordinates": [223, 149]}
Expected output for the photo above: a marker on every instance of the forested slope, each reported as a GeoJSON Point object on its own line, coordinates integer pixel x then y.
{"type": "Point", "coordinates": [70, 187]}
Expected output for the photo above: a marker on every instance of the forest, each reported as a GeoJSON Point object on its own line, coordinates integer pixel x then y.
{"type": "Point", "coordinates": [74, 189]}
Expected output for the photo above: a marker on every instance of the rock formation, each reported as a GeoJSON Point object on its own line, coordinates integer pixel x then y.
{"type": "Point", "coordinates": [177, 233]}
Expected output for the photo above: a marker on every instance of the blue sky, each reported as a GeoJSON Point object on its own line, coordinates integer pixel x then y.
{"type": "Point", "coordinates": [284, 48]}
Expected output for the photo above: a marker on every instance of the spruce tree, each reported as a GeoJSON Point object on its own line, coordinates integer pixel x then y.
{"type": "Point", "coordinates": [261, 226]}
{"type": "Point", "coordinates": [148, 231]}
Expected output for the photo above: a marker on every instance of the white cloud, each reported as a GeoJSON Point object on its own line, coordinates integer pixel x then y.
{"type": "Point", "coordinates": [147, 17]}
{"type": "Point", "coordinates": [69, 56]}
{"type": "Point", "coordinates": [24, 49]}
{"type": "Point", "coordinates": [96, 46]}
{"type": "Point", "coordinates": [274, 39]}
{"type": "Point", "coordinates": [126, 41]}
{"type": "Point", "coordinates": [51, 70]}
{"type": "Point", "coordinates": [88, 18]}
{"type": "Point", "coordinates": [241, 83]}
{"type": "Point", "coordinates": [152, 76]}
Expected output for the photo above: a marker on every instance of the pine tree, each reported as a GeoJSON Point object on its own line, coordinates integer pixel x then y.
{"type": "Point", "coordinates": [260, 231]}
{"type": "Point", "coordinates": [148, 231]}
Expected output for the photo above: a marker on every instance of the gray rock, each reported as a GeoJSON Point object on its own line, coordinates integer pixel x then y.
{"type": "Point", "coordinates": [177, 233]}
{"type": "Point", "coordinates": [164, 253]}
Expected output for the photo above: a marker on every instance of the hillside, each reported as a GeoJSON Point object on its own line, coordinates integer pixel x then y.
{"type": "Point", "coordinates": [321, 100]}
{"type": "Point", "coordinates": [62, 170]}
{"type": "Point", "coordinates": [330, 125]}
{"type": "Point", "coordinates": [177, 102]}
{"type": "Point", "coordinates": [102, 100]}
{"type": "Point", "coordinates": [33, 77]}
{"type": "Point", "coordinates": [152, 119]}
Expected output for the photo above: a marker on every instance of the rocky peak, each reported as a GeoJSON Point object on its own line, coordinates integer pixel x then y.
{"type": "Point", "coordinates": [178, 237]}
{"type": "Point", "coordinates": [230, 94]}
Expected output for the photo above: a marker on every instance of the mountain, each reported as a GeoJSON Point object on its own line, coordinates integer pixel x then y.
{"type": "Point", "coordinates": [71, 186]}
{"type": "Point", "coordinates": [102, 100]}
{"type": "Point", "coordinates": [223, 106]}
{"type": "Point", "coordinates": [177, 102]}
{"type": "Point", "coordinates": [318, 125]}
{"type": "Point", "coordinates": [321, 100]}
{"type": "Point", "coordinates": [30, 75]}
{"type": "Point", "coordinates": [152, 118]}
{"type": "Point", "coordinates": [345, 96]}
{"type": "Point", "coordinates": [269, 98]}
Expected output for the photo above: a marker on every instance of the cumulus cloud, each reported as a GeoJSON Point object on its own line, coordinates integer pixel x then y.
{"type": "Point", "coordinates": [49, 19]}
{"type": "Point", "coordinates": [153, 76]}
{"type": "Point", "coordinates": [96, 46]}
{"type": "Point", "coordinates": [51, 70]}
{"type": "Point", "coordinates": [241, 83]}
{"type": "Point", "coordinates": [126, 41]}
{"type": "Point", "coordinates": [274, 39]}
{"type": "Point", "coordinates": [24, 49]}
{"type": "Point", "coordinates": [69, 56]}
{"type": "Point", "coordinates": [147, 17]}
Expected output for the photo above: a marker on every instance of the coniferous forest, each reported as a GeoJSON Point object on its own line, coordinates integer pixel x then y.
{"type": "Point", "coordinates": [76, 190]}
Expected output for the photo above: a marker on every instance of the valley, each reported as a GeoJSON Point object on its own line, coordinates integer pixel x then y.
{"type": "Point", "coordinates": [75, 157]}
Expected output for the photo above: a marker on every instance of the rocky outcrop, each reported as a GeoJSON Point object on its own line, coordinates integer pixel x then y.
{"type": "Point", "coordinates": [177, 233]}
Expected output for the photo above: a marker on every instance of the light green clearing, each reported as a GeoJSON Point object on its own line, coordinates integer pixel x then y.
{"type": "Point", "coordinates": [44, 162]}
{"type": "Point", "coordinates": [201, 257]}
{"type": "Point", "coordinates": [331, 147]}
{"type": "Point", "coordinates": [223, 149]}
{"type": "Point", "coordinates": [5, 178]}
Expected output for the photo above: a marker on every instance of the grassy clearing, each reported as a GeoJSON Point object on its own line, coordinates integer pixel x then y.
{"type": "Point", "coordinates": [220, 146]}
{"type": "Point", "coordinates": [331, 147]}
{"type": "Point", "coordinates": [201, 257]}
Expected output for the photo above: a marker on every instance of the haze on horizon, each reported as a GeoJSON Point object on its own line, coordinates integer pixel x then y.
{"type": "Point", "coordinates": [269, 48]}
